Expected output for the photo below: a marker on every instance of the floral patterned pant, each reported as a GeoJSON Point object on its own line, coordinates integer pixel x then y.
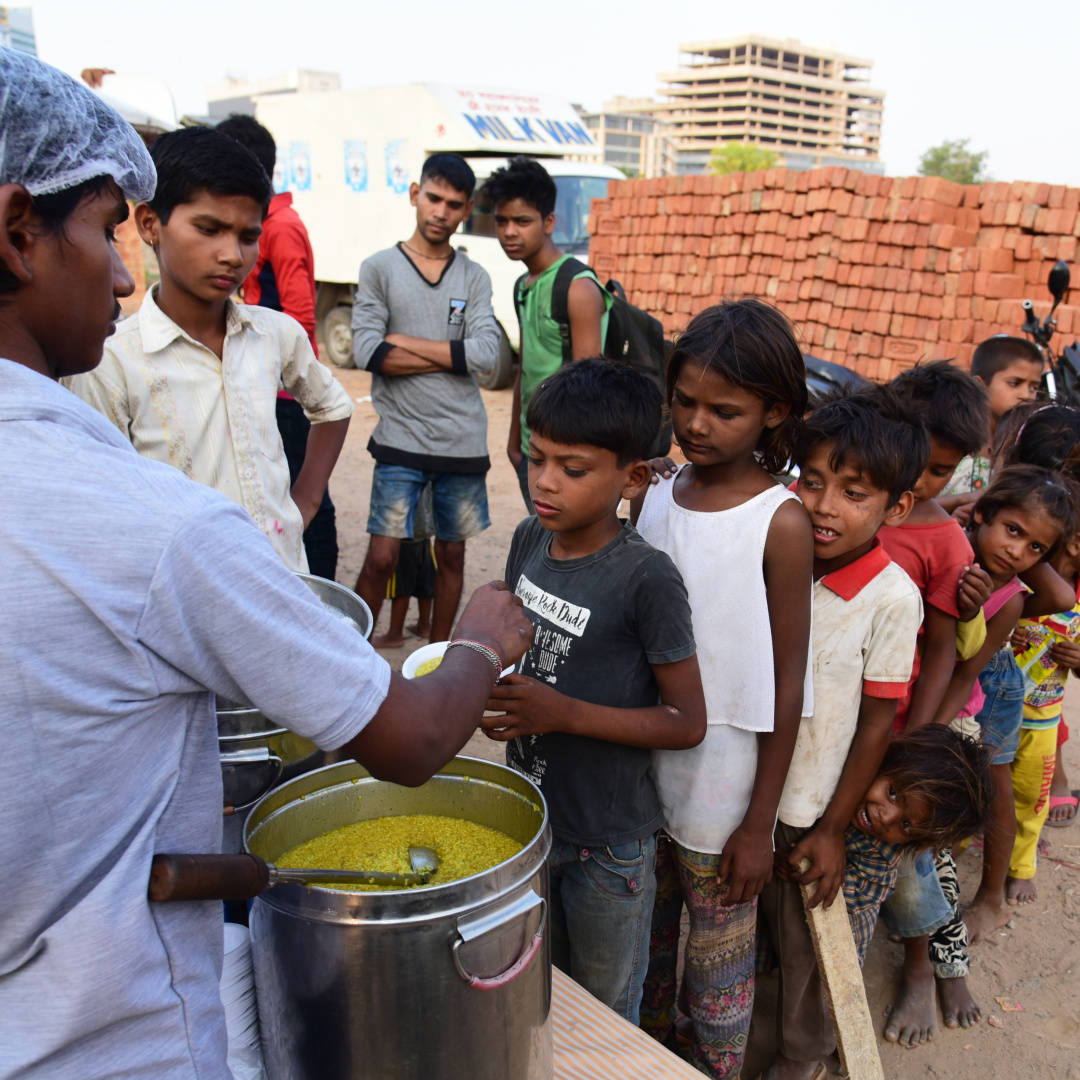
{"type": "Point", "coordinates": [717, 991]}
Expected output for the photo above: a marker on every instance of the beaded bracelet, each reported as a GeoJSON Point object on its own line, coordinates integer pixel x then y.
{"type": "Point", "coordinates": [486, 651]}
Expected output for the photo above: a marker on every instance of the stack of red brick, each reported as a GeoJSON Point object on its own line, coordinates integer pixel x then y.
{"type": "Point", "coordinates": [876, 272]}
{"type": "Point", "coordinates": [131, 250]}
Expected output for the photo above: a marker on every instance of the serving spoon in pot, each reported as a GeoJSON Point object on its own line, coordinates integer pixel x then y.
{"type": "Point", "coordinates": [240, 877]}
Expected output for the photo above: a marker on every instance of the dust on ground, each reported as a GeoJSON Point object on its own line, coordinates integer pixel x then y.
{"type": "Point", "coordinates": [1033, 964]}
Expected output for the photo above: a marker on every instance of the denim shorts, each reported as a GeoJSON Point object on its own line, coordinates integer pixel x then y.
{"type": "Point", "coordinates": [997, 723]}
{"type": "Point", "coordinates": [917, 905]}
{"type": "Point", "coordinates": [459, 502]}
{"type": "Point", "coordinates": [601, 918]}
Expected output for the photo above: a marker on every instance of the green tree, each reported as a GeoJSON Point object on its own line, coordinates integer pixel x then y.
{"type": "Point", "coordinates": [737, 157]}
{"type": "Point", "coordinates": [954, 161]}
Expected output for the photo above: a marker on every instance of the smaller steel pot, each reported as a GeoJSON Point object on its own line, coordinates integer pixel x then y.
{"type": "Point", "coordinates": [257, 754]}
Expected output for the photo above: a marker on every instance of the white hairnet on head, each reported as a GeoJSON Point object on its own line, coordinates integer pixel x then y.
{"type": "Point", "coordinates": [55, 134]}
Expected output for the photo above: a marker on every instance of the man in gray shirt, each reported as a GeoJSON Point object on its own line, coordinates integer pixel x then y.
{"type": "Point", "coordinates": [423, 326]}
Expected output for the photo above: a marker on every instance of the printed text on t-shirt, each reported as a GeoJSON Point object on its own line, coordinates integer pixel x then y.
{"type": "Point", "coordinates": [562, 613]}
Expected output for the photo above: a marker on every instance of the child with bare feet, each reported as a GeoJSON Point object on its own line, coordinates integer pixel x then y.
{"type": "Point", "coordinates": [1046, 650]}
{"type": "Point", "coordinates": [1017, 522]}
{"type": "Point", "coordinates": [859, 459]}
{"type": "Point", "coordinates": [1063, 802]}
{"type": "Point", "coordinates": [932, 789]}
{"type": "Point", "coordinates": [934, 551]}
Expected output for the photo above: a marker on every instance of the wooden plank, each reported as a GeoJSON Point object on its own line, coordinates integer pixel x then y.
{"type": "Point", "coordinates": [841, 976]}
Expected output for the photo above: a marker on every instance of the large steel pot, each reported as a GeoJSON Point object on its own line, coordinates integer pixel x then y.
{"type": "Point", "coordinates": [437, 983]}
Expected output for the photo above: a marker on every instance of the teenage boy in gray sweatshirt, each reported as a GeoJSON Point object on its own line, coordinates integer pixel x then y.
{"type": "Point", "coordinates": [423, 326]}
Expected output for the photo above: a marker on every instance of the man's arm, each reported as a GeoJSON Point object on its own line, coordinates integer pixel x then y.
{"type": "Point", "coordinates": [424, 722]}
{"type": "Point", "coordinates": [324, 444]}
{"type": "Point", "coordinates": [585, 306]}
{"type": "Point", "coordinates": [746, 863]}
{"type": "Point", "coordinates": [223, 612]}
{"type": "Point", "coordinates": [326, 405]}
{"type": "Point", "coordinates": [513, 439]}
{"type": "Point", "coordinates": [370, 319]}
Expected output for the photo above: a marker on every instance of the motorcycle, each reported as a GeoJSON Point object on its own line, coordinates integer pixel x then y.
{"type": "Point", "coordinates": [1061, 379]}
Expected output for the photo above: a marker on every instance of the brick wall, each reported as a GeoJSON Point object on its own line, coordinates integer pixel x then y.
{"type": "Point", "coordinates": [131, 250]}
{"type": "Point", "coordinates": [876, 272]}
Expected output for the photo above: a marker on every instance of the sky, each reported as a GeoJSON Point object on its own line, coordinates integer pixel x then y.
{"type": "Point", "coordinates": [997, 73]}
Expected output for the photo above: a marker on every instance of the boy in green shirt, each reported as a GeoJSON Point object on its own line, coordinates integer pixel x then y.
{"type": "Point", "coordinates": [522, 197]}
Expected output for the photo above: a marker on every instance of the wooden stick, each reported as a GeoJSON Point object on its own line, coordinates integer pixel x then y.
{"type": "Point", "coordinates": [841, 976]}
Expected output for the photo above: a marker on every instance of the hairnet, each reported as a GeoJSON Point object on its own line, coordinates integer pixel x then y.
{"type": "Point", "coordinates": [55, 134]}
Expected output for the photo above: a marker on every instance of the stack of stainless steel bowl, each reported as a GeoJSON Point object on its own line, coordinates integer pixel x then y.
{"type": "Point", "coordinates": [256, 753]}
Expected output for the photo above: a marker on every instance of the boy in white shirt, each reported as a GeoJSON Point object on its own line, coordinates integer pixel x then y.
{"type": "Point", "coordinates": [859, 459]}
{"type": "Point", "coordinates": [192, 378]}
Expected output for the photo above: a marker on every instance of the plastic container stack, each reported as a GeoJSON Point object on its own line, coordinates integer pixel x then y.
{"type": "Point", "coordinates": [241, 1009]}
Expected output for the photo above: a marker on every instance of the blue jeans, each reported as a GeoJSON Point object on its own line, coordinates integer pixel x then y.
{"type": "Point", "coordinates": [601, 915]}
{"type": "Point", "coordinates": [1000, 717]}
{"type": "Point", "coordinates": [459, 502]}
{"type": "Point", "coordinates": [917, 905]}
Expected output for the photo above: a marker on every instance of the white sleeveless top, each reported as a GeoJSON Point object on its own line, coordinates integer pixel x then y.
{"type": "Point", "coordinates": [705, 790]}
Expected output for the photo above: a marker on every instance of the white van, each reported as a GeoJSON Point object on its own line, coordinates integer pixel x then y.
{"type": "Point", "coordinates": [348, 157]}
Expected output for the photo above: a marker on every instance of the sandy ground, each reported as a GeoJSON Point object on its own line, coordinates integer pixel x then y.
{"type": "Point", "coordinates": [1031, 964]}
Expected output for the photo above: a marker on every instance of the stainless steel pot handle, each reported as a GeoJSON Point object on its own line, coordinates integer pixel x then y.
{"type": "Point", "coordinates": [256, 755]}
{"type": "Point", "coordinates": [485, 924]}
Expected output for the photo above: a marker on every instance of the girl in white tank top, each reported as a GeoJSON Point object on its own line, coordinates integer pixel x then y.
{"type": "Point", "coordinates": [736, 385]}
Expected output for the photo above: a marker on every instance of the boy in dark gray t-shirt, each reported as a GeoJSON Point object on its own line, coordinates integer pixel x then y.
{"type": "Point", "coordinates": [611, 675]}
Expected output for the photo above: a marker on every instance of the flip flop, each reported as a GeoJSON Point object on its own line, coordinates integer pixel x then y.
{"type": "Point", "coordinates": [1072, 800]}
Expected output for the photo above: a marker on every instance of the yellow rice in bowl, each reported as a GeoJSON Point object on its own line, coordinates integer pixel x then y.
{"type": "Point", "coordinates": [464, 848]}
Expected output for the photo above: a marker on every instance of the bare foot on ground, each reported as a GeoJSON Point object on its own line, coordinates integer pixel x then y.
{"type": "Point", "coordinates": [983, 917]}
{"type": "Point", "coordinates": [387, 641]}
{"type": "Point", "coordinates": [784, 1068]}
{"type": "Point", "coordinates": [913, 1016]}
{"type": "Point", "coordinates": [1020, 890]}
{"type": "Point", "coordinates": [958, 1007]}
{"type": "Point", "coordinates": [418, 630]}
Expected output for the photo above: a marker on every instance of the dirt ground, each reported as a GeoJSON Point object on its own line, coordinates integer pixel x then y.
{"type": "Point", "coordinates": [1023, 979]}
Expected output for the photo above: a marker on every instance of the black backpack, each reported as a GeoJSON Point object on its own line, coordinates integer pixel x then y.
{"type": "Point", "coordinates": [633, 336]}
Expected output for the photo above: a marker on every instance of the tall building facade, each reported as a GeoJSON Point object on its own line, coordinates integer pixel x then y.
{"type": "Point", "coordinates": [811, 106]}
{"type": "Point", "coordinates": [637, 143]}
{"type": "Point", "coordinates": [17, 29]}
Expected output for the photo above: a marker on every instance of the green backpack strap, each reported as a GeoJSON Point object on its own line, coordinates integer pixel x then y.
{"type": "Point", "coordinates": [560, 301]}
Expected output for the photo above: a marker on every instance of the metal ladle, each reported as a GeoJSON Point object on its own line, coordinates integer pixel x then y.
{"type": "Point", "coordinates": [240, 877]}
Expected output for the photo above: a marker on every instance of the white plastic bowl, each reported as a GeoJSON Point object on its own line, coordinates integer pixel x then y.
{"type": "Point", "coordinates": [429, 652]}
{"type": "Point", "coordinates": [421, 656]}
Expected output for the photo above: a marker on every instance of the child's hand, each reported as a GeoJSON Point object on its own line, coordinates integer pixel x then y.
{"type": "Point", "coordinates": [661, 467]}
{"type": "Point", "coordinates": [1066, 654]}
{"type": "Point", "coordinates": [962, 511]}
{"type": "Point", "coordinates": [1020, 639]}
{"type": "Point", "coordinates": [972, 592]}
{"type": "Point", "coordinates": [824, 848]}
{"type": "Point", "coordinates": [746, 864]}
{"type": "Point", "coordinates": [525, 707]}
